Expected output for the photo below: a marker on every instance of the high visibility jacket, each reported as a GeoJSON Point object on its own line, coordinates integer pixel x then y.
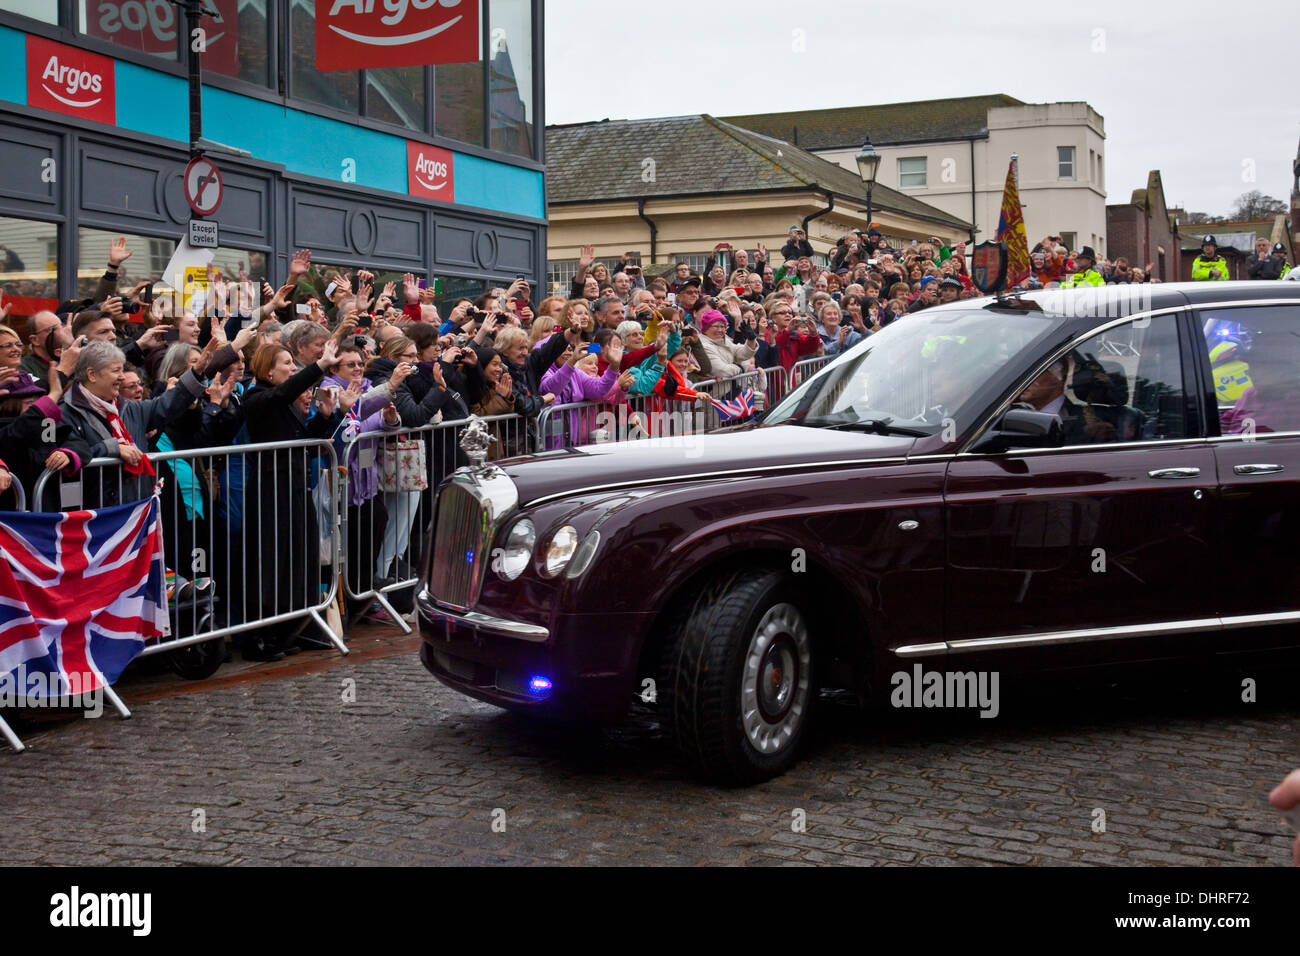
{"type": "Point", "coordinates": [1231, 374]}
{"type": "Point", "coordinates": [1087, 277]}
{"type": "Point", "coordinates": [1201, 269]}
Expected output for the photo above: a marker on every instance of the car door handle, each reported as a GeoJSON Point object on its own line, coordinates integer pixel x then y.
{"type": "Point", "coordinates": [1174, 473]}
{"type": "Point", "coordinates": [1256, 469]}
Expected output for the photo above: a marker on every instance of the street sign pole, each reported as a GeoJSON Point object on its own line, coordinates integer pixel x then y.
{"type": "Point", "coordinates": [194, 10]}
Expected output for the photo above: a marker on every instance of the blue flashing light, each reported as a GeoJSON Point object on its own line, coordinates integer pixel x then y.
{"type": "Point", "coordinates": [469, 557]}
{"type": "Point", "coordinates": [540, 686]}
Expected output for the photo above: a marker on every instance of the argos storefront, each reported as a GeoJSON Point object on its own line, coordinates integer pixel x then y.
{"type": "Point", "coordinates": [432, 169]}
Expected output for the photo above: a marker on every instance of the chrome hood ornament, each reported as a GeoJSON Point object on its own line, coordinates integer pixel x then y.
{"type": "Point", "coordinates": [474, 442]}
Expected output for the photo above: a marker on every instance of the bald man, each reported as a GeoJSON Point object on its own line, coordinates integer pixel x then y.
{"type": "Point", "coordinates": [46, 335]}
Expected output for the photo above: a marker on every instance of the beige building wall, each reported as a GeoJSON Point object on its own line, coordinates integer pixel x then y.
{"type": "Point", "coordinates": [696, 225]}
{"type": "Point", "coordinates": [1052, 204]}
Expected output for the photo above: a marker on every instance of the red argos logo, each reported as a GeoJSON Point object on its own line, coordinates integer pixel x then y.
{"type": "Point", "coordinates": [430, 171]}
{"type": "Point", "coordinates": [354, 34]}
{"type": "Point", "coordinates": [71, 81]}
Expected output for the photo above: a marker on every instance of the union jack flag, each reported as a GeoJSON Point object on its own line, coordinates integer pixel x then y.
{"type": "Point", "coordinates": [742, 406]}
{"type": "Point", "coordinates": [80, 593]}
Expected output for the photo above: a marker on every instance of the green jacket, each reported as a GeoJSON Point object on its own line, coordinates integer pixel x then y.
{"type": "Point", "coordinates": [646, 375]}
{"type": "Point", "coordinates": [1087, 277]}
{"type": "Point", "coordinates": [1201, 269]}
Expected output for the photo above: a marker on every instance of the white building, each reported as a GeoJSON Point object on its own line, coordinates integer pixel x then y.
{"type": "Point", "coordinates": [928, 150]}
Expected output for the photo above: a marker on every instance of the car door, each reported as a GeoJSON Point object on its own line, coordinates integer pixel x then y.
{"type": "Point", "coordinates": [1251, 355]}
{"type": "Point", "coordinates": [1106, 535]}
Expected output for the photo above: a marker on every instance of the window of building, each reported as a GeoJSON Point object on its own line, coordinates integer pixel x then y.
{"type": "Point", "coordinates": [911, 173]}
{"type": "Point", "coordinates": [151, 28]}
{"type": "Point", "coordinates": [1101, 172]}
{"type": "Point", "coordinates": [42, 10]}
{"type": "Point", "coordinates": [458, 101]}
{"type": "Point", "coordinates": [1065, 162]}
{"type": "Point", "coordinates": [238, 41]}
{"type": "Point", "coordinates": [395, 94]}
{"type": "Point", "coordinates": [1092, 165]}
{"type": "Point", "coordinates": [1067, 239]}
{"type": "Point", "coordinates": [337, 88]}
{"type": "Point", "coordinates": [148, 258]}
{"type": "Point", "coordinates": [510, 69]}
{"type": "Point", "coordinates": [29, 267]}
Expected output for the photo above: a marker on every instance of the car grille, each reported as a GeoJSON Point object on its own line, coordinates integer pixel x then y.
{"type": "Point", "coordinates": [462, 539]}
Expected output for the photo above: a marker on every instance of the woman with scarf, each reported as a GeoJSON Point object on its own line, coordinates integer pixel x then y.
{"type": "Point", "coordinates": [282, 539]}
{"type": "Point", "coordinates": [369, 409]}
{"type": "Point", "coordinates": [92, 412]}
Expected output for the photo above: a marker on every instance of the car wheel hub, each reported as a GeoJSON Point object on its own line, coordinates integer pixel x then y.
{"type": "Point", "coordinates": [775, 686]}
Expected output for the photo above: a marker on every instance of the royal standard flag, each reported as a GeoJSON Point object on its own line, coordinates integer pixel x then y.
{"type": "Point", "coordinates": [1011, 228]}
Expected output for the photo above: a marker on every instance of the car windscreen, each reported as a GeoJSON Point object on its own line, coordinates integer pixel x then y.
{"type": "Point", "coordinates": [919, 371]}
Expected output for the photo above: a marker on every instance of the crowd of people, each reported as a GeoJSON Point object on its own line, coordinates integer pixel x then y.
{"type": "Point", "coordinates": [126, 375]}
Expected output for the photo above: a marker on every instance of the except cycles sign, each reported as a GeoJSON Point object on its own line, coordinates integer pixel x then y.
{"type": "Point", "coordinates": [70, 81]}
{"type": "Point", "coordinates": [354, 34]}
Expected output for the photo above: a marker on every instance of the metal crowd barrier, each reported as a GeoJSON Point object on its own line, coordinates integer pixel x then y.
{"type": "Point", "coordinates": [244, 571]}
{"type": "Point", "coordinates": [20, 496]}
{"type": "Point", "coordinates": [386, 512]}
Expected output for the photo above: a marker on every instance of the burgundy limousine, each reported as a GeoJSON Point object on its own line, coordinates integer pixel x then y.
{"type": "Point", "coordinates": [1043, 481]}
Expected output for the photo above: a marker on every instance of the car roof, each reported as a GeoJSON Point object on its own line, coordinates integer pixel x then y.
{"type": "Point", "coordinates": [1119, 300]}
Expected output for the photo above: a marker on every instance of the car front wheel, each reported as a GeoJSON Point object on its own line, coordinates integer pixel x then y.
{"type": "Point", "coordinates": [736, 682]}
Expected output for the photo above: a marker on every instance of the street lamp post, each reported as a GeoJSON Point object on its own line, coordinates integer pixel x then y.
{"type": "Point", "coordinates": [868, 165]}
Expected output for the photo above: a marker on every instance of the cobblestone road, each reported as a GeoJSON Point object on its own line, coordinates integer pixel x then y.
{"type": "Point", "coordinates": [283, 771]}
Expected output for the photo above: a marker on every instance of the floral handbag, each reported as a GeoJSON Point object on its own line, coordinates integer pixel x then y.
{"type": "Point", "coordinates": [402, 467]}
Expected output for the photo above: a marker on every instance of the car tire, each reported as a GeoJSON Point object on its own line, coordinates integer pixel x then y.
{"type": "Point", "coordinates": [737, 687]}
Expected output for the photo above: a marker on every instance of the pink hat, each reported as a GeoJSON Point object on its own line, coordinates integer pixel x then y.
{"type": "Point", "coordinates": [709, 318]}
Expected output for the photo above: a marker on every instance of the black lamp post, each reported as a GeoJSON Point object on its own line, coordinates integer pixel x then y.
{"type": "Point", "coordinates": [868, 165]}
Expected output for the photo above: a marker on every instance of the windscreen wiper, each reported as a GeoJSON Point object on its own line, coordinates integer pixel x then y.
{"type": "Point", "coordinates": [877, 426]}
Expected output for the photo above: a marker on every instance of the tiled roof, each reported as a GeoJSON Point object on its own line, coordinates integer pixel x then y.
{"type": "Point", "coordinates": [698, 155]}
{"type": "Point", "coordinates": [887, 125]}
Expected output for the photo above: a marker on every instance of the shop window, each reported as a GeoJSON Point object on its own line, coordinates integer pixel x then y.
{"type": "Point", "coordinates": [458, 101]}
{"type": "Point", "coordinates": [29, 266]}
{"type": "Point", "coordinates": [395, 94]}
{"type": "Point", "coordinates": [337, 88]}
{"type": "Point", "coordinates": [238, 41]}
{"type": "Point", "coordinates": [42, 10]}
{"type": "Point", "coordinates": [511, 76]}
{"type": "Point", "coordinates": [150, 28]}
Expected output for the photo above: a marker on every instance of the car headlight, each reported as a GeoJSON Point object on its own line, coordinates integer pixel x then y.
{"type": "Point", "coordinates": [518, 550]}
{"type": "Point", "coordinates": [560, 551]}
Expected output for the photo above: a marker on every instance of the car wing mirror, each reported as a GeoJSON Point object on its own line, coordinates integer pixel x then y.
{"type": "Point", "coordinates": [1022, 428]}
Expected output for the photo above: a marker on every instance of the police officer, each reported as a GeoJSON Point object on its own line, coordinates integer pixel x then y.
{"type": "Point", "coordinates": [1084, 273]}
{"type": "Point", "coordinates": [949, 289]}
{"type": "Point", "coordinates": [1209, 266]}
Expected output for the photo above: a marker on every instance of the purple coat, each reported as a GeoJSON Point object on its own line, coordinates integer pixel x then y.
{"type": "Point", "coordinates": [568, 385]}
{"type": "Point", "coordinates": [363, 480]}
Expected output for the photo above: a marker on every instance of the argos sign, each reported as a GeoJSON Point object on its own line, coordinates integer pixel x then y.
{"type": "Point", "coordinates": [354, 34]}
{"type": "Point", "coordinates": [430, 171]}
{"type": "Point", "coordinates": [70, 81]}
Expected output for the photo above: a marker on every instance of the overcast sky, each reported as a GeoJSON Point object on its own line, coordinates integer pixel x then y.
{"type": "Point", "coordinates": [1201, 91]}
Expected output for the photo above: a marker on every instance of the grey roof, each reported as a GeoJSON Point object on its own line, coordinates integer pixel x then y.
{"type": "Point", "coordinates": [699, 155]}
{"type": "Point", "coordinates": [888, 124]}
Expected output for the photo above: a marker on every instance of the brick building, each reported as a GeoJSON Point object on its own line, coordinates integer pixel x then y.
{"type": "Point", "coordinates": [1143, 231]}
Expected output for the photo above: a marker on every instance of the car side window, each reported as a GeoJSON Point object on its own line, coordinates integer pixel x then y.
{"type": "Point", "coordinates": [1122, 385]}
{"type": "Point", "coordinates": [1255, 367]}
